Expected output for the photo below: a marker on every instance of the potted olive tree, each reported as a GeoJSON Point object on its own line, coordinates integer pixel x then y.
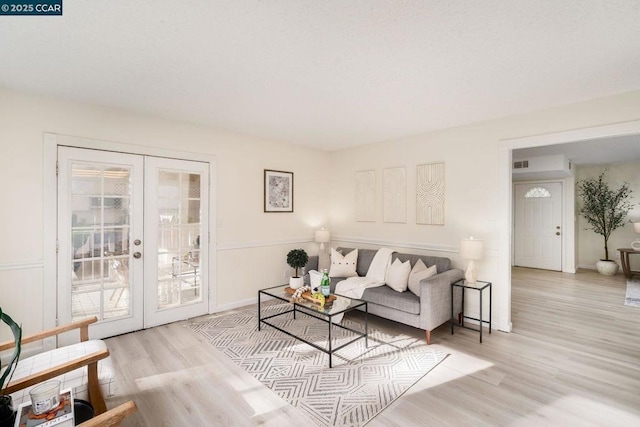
{"type": "Point", "coordinates": [7, 413]}
{"type": "Point", "coordinates": [605, 209]}
{"type": "Point", "coordinates": [297, 259]}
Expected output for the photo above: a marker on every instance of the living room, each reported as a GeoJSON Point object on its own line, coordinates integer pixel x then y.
{"type": "Point", "coordinates": [475, 148]}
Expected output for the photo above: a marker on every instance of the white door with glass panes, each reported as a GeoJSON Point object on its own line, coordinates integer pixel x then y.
{"type": "Point", "coordinates": [110, 262]}
{"type": "Point", "coordinates": [176, 198]}
{"type": "Point", "coordinates": [538, 219]}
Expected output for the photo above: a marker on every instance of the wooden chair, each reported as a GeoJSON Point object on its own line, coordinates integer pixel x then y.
{"type": "Point", "coordinates": [113, 417]}
{"type": "Point", "coordinates": [70, 360]}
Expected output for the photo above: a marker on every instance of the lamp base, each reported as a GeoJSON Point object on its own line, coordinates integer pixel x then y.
{"type": "Point", "coordinates": [636, 245]}
{"type": "Point", "coordinates": [471, 276]}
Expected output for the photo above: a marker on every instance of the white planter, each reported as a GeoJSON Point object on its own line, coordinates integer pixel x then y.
{"type": "Point", "coordinates": [296, 282]}
{"type": "Point", "coordinates": [607, 268]}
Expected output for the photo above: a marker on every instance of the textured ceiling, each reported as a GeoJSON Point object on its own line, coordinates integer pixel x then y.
{"type": "Point", "coordinates": [330, 73]}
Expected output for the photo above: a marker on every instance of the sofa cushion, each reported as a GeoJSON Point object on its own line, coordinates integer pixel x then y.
{"type": "Point", "coordinates": [397, 277]}
{"type": "Point", "coordinates": [418, 267]}
{"type": "Point", "coordinates": [416, 277]}
{"type": "Point", "coordinates": [442, 264]}
{"type": "Point", "coordinates": [385, 296]}
{"type": "Point", "coordinates": [343, 266]}
{"type": "Point", "coordinates": [365, 257]}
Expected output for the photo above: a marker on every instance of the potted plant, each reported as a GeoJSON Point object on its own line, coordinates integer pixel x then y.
{"type": "Point", "coordinates": [605, 209]}
{"type": "Point", "coordinates": [297, 259]}
{"type": "Point", "coordinates": [7, 413]}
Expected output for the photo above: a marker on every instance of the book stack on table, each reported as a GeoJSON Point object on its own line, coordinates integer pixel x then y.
{"type": "Point", "coordinates": [60, 416]}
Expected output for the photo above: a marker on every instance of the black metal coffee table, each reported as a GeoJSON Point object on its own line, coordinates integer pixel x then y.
{"type": "Point", "coordinates": [326, 314]}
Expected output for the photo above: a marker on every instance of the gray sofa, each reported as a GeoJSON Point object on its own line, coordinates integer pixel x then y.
{"type": "Point", "coordinates": [427, 311]}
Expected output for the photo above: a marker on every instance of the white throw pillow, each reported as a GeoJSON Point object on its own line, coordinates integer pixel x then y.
{"type": "Point", "coordinates": [419, 272]}
{"type": "Point", "coordinates": [343, 266]}
{"type": "Point", "coordinates": [398, 275]}
{"type": "Point", "coordinates": [420, 266]}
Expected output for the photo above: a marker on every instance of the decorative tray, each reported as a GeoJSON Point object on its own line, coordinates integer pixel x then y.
{"type": "Point", "coordinates": [307, 295]}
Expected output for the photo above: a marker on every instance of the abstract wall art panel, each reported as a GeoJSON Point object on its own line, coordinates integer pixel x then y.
{"type": "Point", "coordinates": [366, 196]}
{"type": "Point", "coordinates": [395, 189]}
{"type": "Point", "coordinates": [430, 194]}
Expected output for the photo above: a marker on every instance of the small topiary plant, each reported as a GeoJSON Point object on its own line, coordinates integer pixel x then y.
{"type": "Point", "coordinates": [297, 258]}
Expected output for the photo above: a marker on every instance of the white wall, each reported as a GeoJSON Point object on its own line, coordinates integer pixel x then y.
{"type": "Point", "coordinates": [473, 206]}
{"type": "Point", "coordinates": [591, 245]}
{"type": "Point", "coordinates": [249, 253]}
{"type": "Point", "coordinates": [252, 245]}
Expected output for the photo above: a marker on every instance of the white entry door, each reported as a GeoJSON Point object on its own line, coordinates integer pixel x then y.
{"type": "Point", "coordinates": [132, 239]}
{"type": "Point", "coordinates": [538, 219]}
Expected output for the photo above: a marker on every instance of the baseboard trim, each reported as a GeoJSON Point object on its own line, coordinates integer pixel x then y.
{"type": "Point", "coordinates": [236, 304]}
{"type": "Point", "coordinates": [593, 267]}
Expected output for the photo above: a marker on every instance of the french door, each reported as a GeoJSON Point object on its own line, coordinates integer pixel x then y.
{"type": "Point", "coordinates": [132, 239]}
{"type": "Point", "coordinates": [176, 205]}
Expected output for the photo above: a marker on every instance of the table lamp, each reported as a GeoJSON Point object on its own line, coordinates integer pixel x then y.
{"type": "Point", "coordinates": [471, 249]}
{"type": "Point", "coordinates": [322, 236]}
{"type": "Point", "coordinates": [636, 243]}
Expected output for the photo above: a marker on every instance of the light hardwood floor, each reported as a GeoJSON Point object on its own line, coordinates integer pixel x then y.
{"type": "Point", "coordinates": [573, 359]}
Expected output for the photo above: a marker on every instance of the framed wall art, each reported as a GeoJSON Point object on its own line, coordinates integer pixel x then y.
{"type": "Point", "coordinates": [278, 191]}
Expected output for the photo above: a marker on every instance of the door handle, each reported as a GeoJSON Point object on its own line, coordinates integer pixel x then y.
{"type": "Point", "coordinates": [137, 255]}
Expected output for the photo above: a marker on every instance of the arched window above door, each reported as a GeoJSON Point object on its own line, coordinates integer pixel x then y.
{"type": "Point", "coordinates": [537, 192]}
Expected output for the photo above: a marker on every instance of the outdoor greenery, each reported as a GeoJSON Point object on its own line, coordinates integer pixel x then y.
{"type": "Point", "coordinates": [297, 258]}
{"type": "Point", "coordinates": [604, 208]}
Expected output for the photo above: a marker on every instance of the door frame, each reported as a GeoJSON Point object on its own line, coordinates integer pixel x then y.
{"type": "Point", "coordinates": [505, 215]}
{"type": "Point", "coordinates": [567, 223]}
{"type": "Point", "coordinates": [51, 143]}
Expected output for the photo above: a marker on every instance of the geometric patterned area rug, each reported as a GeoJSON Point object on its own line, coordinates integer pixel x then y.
{"type": "Point", "coordinates": [632, 298]}
{"type": "Point", "coordinates": [363, 380]}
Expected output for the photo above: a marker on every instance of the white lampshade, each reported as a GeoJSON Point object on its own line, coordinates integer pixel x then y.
{"type": "Point", "coordinates": [323, 236]}
{"type": "Point", "coordinates": [471, 248]}
{"type": "Point", "coordinates": [636, 227]}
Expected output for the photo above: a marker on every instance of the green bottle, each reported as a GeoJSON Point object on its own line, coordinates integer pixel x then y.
{"type": "Point", "coordinates": [325, 283]}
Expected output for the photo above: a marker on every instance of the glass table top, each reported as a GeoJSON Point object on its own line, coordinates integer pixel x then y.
{"type": "Point", "coordinates": [339, 305]}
